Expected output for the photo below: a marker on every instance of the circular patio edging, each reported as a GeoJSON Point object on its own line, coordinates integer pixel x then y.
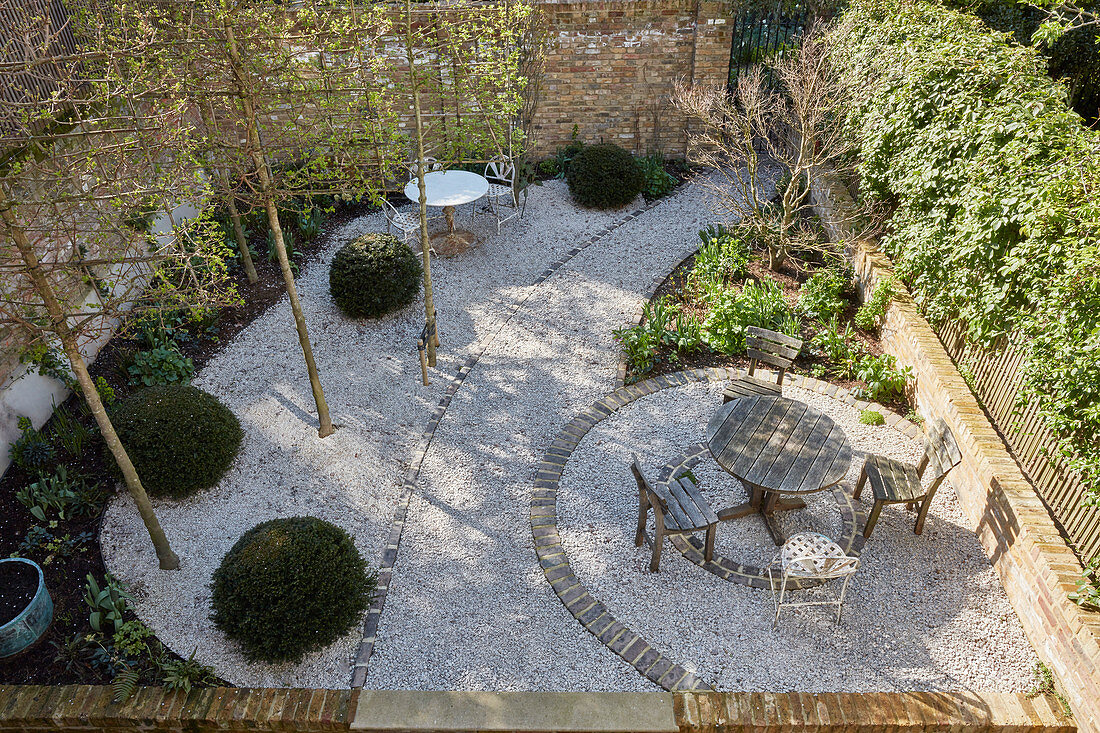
{"type": "Point", "coordinates": [592, 614]}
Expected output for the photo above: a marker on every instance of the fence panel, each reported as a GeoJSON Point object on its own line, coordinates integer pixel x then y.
{"type": "Point", "coordinates": [996, 380]}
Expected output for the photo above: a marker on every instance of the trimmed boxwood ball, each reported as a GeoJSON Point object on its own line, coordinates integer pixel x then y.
{"type": "Point", "coordinates": [605, 176]}
{"type": "Point", "coordinates": [179, 438]}
{"type": "Point", "coordinates": [374, 275]}
{"type": "Point", "coordinates": [290, 586]}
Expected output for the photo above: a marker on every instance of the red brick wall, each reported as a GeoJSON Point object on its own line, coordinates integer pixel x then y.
{"type": "Point", "coordinates": [1036, 567]}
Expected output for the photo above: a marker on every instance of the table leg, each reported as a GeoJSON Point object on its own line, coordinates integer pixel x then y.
{"type": "Point", "coordinates": [752, 506]}
{"type": "Point", "coordinates": [449, 215]}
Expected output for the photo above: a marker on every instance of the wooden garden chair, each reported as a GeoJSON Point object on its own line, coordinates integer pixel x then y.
{"type": "Point", "coordinates": [770, 347]}
{"type": "Point", "coordinates": [894, 482]}
{"type": "Point", "coordinates": [678, 508]}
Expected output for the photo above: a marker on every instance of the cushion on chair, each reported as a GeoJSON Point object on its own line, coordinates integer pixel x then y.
{"type": "Point", "coordinates": [893, 481]}
{"type": "Point", "coordinates": [813, 555]}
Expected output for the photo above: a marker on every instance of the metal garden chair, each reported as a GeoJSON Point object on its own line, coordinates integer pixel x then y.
{"type": "Point", "coordinates": [809, 555]}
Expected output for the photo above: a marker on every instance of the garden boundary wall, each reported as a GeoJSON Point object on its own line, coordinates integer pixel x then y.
{"type": "Point", "coordinates": [86, 708]}
{"type": "Point", "coordinates": [1036, 566]}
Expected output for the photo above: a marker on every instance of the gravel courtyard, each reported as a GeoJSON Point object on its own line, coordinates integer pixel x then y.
{"type": "Point", "coordinates": [468, 607]}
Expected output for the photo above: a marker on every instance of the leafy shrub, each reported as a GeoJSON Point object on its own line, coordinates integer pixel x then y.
{"type": "Point", "coordinates": [31, 451]}
{"type": "Point", "coordinates": [69, 432]}
{"type": "Point", "coordinates": [837, 347]}
{"type": "Point", "coordinates": [871, 417]}
{"type": "Point", "coordinates": [722, 260]}
{"type": "Point", "coordinates": [289, 586]}
{"type": "Point", "coordinates": [996, 221]}
{"type": "Point", "coordinates": [183, 674]}
{"type": "Point", "coordinates": [60, 495]}
{"type": "Point", "coordinates": [758, 304]}
{"type": "Point", "coordinates": [604, 176]}
{"type": "Point", "coordinates": [180, 439]}
{"type": "Point", "coordinates": [107, 605]}
{"type": "Point", "coordinates": [885, 382]}
{"type": "Point", "coordinates": [658, 181]}
{"type": "Point", "coordinates": [822, 295]}
{"type": "Point", "coordinates": [163, 364]}
{"type": "Point", "coordinates": [374, 275]}
{"type": "Point", "coordinates": [662, 325]}
{"type": "Point", "coordinates": [870, 314]}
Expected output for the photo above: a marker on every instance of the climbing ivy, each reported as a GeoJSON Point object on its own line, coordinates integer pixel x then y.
{"type": "Point", "coordinates": [995, 185]}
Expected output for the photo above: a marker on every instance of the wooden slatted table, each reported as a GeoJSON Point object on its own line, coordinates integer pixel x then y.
{"type": "Point", "coordinates": [776, 446]}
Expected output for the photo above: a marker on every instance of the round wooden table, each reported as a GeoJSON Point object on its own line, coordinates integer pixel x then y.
{"type": "Point", "coordinates": [449, 189]}
{"type": "Point", "coordinates": [776, 446]}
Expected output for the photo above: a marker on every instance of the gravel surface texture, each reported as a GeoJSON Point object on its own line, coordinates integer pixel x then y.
{"type": "Point", "coordinates": [371, 375]}
{"type": "Point", "coordinates": [923, 613]}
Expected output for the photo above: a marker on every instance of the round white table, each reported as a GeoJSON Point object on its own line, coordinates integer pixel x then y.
{"type": "Point", "coordinates": [449, 189]}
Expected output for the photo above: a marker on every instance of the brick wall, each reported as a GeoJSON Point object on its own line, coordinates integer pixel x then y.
{"type": "Point", "coordinates": [85, 708]}
{"type": "Point", "coordinates": [1034, 563]}
{"type": "Point", "coordinates": [610, 66]}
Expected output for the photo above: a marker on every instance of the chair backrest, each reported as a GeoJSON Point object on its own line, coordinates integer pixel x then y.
{"type": "Point", "coordinates": [430, 164]}
{"type": "Point", "coordinates": [501, 170]}
{"type": "Point", "coordinates": [771, 347]}
{"type": "Point", "coordinates": [813, 555]}
{"type": "Point", "coordinates": [941, 452]}
{"type": "Point", "coordinates": [388, 210]}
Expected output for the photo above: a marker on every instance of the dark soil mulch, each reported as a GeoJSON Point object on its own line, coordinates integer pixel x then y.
{"type": "Point", "coordinates": [18, 584]}
{"type": "Point", "coordinates": [66, 576]}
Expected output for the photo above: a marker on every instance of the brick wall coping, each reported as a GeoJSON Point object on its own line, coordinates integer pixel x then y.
{"type": "Point", "coordinates": [90, 708]}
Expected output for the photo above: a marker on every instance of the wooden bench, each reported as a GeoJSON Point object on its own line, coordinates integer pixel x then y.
{"type": "Point", "coordinates": [894, 482]}
{"type": "Point", "coordinates": [678, 508]}
{"type": "Point", "coordinates": [775, 349]}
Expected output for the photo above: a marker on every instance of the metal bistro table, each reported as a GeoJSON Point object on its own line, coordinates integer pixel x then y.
{"type": "Point", "coordinates": [449, 189]}
{"type": "Point", "coordinates": [776, 446]}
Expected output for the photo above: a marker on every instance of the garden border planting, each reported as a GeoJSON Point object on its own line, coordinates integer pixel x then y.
{"type": "Point", "coordinates": [1036, 566]}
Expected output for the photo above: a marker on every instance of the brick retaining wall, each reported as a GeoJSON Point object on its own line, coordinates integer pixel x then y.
{"type": "Point", "coordinates": [86, 708]}
{"type": "Point", "coordinates": [1034, 563]}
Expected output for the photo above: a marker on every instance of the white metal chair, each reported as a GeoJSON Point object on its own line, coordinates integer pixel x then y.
{"type": "Point", "coordinates": [430, 165]}
{"type": "Point", "coordinates": [406, 222]}
{"type": "Point", "coordinates": [812, 556]}
{"type": "Point", "coordinates": [501, 174]}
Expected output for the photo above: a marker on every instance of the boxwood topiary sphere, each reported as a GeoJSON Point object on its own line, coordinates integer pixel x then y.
{"type": "Point", "coordinates": [605, 176]}
{"type": "Point", "coordinates": [179, 438]}
{"type": "Point", "coordinates": [290, 586]}
{"type": "Point", "coordinates": [374, 275]}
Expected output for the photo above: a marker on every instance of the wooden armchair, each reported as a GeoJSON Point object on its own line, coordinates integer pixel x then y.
{"type": "Point", "coordinates": [678, 508]}
{"type": "Point", "coordinates": [775, 349]}
{"type": "Point", "coordinates": [894, 482]}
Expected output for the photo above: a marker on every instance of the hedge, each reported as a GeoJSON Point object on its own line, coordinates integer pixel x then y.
{"type": "Point", "coordinates": [995, 185]}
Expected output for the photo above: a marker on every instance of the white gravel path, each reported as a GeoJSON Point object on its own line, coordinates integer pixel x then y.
{"type": "Point", "coordinates": [469, 607]}
{"type": "Point", "coordinates": [371, 375]}
{"type": "Point", "coordinates": [923, 613]}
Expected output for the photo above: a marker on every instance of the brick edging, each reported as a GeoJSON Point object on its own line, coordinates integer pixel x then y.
{"type": "Point", "coordinates": [592, 614]}
{"type": "Point", "coordinates": [412, 474]}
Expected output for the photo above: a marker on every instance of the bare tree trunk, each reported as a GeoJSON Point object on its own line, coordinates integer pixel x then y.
{"type": "Point", "coordinates": [238, 232]}
{"type": "Point", "coordinates": [59, 325]}
{"type": "Point", "coordinates": [325, 429]}
{"type": "Point", "coordinates": [425, 244]}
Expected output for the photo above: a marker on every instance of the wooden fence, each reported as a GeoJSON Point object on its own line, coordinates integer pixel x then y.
{"type": "Point", "coordinates": [996, 380]}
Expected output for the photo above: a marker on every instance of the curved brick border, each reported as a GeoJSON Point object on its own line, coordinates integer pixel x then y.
{"type": "Point", "coordinates": [691, 547]}
{"type": "Point", "coordinates": [591, 613]}
{"type": "Point", "coordinates": [397, 526]}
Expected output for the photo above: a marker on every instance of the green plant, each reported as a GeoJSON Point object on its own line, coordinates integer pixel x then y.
{"type": "Point", "coordinates": [131, 639]}
{"type": "Point", "coordinates": [289, 244]}
{"type": "Point", "coordinates": [108, 605]}
{"type": "Point", "coordinates": [1087, 594]}
{"type": "Point", "coordinates": [184, 674]}
{"type": "Point", "coordinates": [604, 176]}
{"type": "Point", "coordinates": [31, 451]}
{"type": "Point", "coordinates": [105, 391]}
{"type": "Point", "coordinates": [289, 586]}
{"type": "Point", "coordinates": [836, 346]}
{"type": "Point", "coordinates": [49, 361]}
{"type": "Point", "coordinates": [757, 304]}
{"type": "Point", "coordinates": [687, 333]}
{"type": "Point", "coordinates": [658, 181]}
{"type": "Point", "coordinates": [723, 259]}
{"type": "Point", "coordinates": [871, 417]}
{"type": "Point", "coordinates": [70, 432]}
{"type": "Point", "coordinates": [822, 295]}
{"type": "Point", "coordinates": [124, 684]}
{"type": "Point", "coordinates": [870, 314]}
{"type": "Point", "coordinates": [640, 346]}
{"type": "Point", "coordinates": [309, 223]}
{"type": "Point", "coordinates": [374, 275]}
{"type": "Point", "coordinates": [73, 653]}
{"type": "Point", "coordinates": [914, 417]}
{"type": "Point", "coordinates": [62, 495]}
{"type": "Point", "coordinates": [179, 438]}
{"type": "Point", "coordinates": [885, 382]}
{"type": "Point", "coordinates": [558, 166]}
{"type": "Point", "coordinates": [41, 542]}
{"type": "Point", "coordinates": [163, 364]}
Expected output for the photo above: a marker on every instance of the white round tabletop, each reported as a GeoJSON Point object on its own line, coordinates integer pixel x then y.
{"type": "Point", "coordinates": [448, 188]}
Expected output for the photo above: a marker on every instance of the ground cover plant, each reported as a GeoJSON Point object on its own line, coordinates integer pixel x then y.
{"type": "Point", "coordinates": [700, 316]}
{"type": "Point", "coordinates": [995, 187]}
